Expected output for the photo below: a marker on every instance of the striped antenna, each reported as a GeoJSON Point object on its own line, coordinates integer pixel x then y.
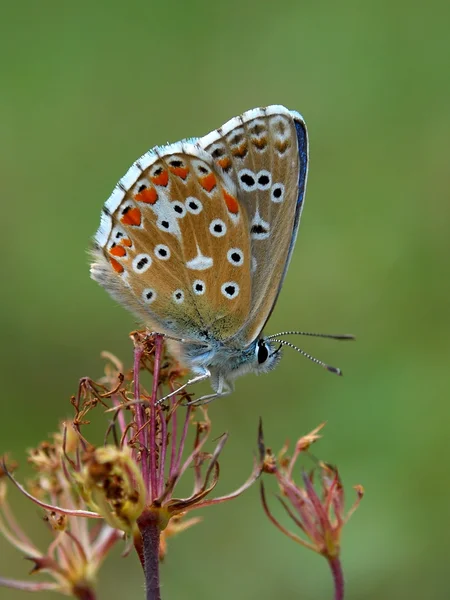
{"type": "Point", "coordinates": [312, 358]}
{"type": "Point", "coordinates": [338, 336]}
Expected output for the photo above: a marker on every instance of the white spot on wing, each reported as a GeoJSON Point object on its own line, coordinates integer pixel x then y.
{"type": "Point", "coordinates": [118, 233]}
{"type": "Point", "coordinates": [277, 193]}
{"type": "Point", "coordinates": [200, 262]}
{"type": "Point", "coordinates": [162, 252]}
{"type": "Point", "coordinates": [163, 209]}
{"type": "Point", "coordinates": [247, 180]}
{"type": "Point", "coordinates": [143, 181]}
{"type": "Point", "coordinates": [148, 295]}
{"type": "Point", "coordinates": [193, 205]}
{"type": "Point", "coordinates": [230, 289]}
{"type": "Point", "coordinates": [217, 228]}
{"type": "Point", "coordinates": [263, 180]}
{"type": "Point", "coordinates": [178, 296]}
{"type": "Point", "coordinates": [179, 209]}
{"type": "Point", "coordinates": [236, 134]}
{"type": "Point", "coordinates": [141, 263]}
{"type": "Point", "coordinates": [235, 256]}
{"type": "Point", "coordinates": [199, 287]}
{"type": "Point", "coordinates": [260, 229]}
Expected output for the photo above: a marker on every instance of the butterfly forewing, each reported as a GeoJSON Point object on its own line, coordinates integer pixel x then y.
{"type": "Point", "coordinates": [265, 153]}
{"type": "Point", "coordinates": [173, 245]}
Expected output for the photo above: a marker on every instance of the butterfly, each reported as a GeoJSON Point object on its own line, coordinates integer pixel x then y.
{"type": "Point", "coordinates": [196, 239]}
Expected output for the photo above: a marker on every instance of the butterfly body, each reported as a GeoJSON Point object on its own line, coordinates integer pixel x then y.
{"type": "Point", "coordinates": [222, 363]}
{"type": "Point", "coordinates": [197, 236]}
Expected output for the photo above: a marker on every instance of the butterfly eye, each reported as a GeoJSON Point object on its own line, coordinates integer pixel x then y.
{"type": "Point", "coordinates": [263, 352]}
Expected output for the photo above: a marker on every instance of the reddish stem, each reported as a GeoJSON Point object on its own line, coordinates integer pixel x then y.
{"type": "Point", "coordinates": [173, 452]}
{"type": "Point", "coordinates": [182, 439]}
{"type": "Point", "coordinates": [163, 451]}
{"type": "Point", "coordinates": [338, 577]}
{"type": "Point", "coordinates": [139, 548]}
{"type": "Point", "coordinates": [152, 428]}
{"type": "Point", "coordinates": [150, 533]}
{"type": "Point", "coordinates": [120, 416]}
{"type": "Point", "coordinates": [140, 415]}
{"type": "Point", "coordinates": [84, 593]}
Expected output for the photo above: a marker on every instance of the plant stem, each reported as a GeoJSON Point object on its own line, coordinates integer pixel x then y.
{"type": "Point", "coordinates": [140, 416]}
{"type": "Point", "coordinates": [152, 451]}
{"type": "Point", "coordinates": [84, 593]}
{"type": "Point", "coordinates": [338, 578]}
{"type": "Point", "coordinates": [150, 533]}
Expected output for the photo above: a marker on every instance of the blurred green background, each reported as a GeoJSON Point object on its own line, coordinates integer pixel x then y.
{"type": "Point", "coordinates": [88, 87]}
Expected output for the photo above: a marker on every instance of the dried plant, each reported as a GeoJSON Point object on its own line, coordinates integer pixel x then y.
{"type": "Point", "coordinates": [93, 496]}
{"type": "Point", "coordinates": [320, 517]}
{"type": "Point", "coordinates": [125, 490]}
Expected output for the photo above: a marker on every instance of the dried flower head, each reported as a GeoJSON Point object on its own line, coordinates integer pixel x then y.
{"type": "Point", "coordinates": [129, 483]}
{"type": "Point", "coordinates": [320, 516]}
{"type": "Point", "coordinates": [79, 545]}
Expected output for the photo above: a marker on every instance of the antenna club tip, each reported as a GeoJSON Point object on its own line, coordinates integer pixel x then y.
{"type": "Point", "coordinates": [334, 370]}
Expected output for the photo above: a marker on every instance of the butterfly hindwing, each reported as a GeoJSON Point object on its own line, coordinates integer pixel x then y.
{"type": "Point", "coordinates": [265, 153]}
{"type": "Point", "coordinates": [173, 245]}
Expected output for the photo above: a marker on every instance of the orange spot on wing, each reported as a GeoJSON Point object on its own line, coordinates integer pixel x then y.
{"type": "Point", "coordinates": [132, 217]}
{"type": "Point", "coordinates": [224, 162]}
{"type": "Point", "coordinates": [282, 146]}
{"type": "Point", "coordinates": [208, 182]}
{"type": "Point", "coordinates": [161, 179]}
{"type": "Point", "coordinates": [240, 151]}
{"type": "Point", "coordinates": [116, 265]}
{"type": "Point", "coordinates": [149, 196]}
{"type": "Point", "coordinates": [180, 171]}
{"type": "Point", "coordinates": [126, 242]}
{"type": "Point", "coordinates": [260, 143]}
{"type": "Point", "coordinates": [231, 202]}
{"type": "Point", "coordinates": [118, 251]}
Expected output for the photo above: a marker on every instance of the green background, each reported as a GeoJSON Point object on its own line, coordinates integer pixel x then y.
{"type": "Point", "coordinates": [88, 87]}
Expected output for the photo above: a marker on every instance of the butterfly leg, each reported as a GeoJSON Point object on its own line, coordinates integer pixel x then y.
{"type": "Point", "coordinates": [224, 388]}
{"type": "Point", "coordinates": [205, 374]}
{"type": "Point", "coordinates": [177, 339]}
{"type": "Point", "coordinates": [207, 399]}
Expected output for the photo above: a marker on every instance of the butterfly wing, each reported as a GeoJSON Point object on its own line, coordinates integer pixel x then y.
{"type": "Point", "coordinates": [173, 245]}
{"type": "Point", "coordinates": [265, 152]}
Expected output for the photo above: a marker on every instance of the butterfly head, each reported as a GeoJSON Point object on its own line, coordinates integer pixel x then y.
{"type": "Point", "coordinates": [267, 355]}
{"type": "Point", "coordinates": [261, 356]}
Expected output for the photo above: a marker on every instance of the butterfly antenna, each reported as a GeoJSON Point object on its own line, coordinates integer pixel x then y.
{"type": "Point", "coordinates": [337, 336]}
{"type": "Point", "coordinates": [312, 358]}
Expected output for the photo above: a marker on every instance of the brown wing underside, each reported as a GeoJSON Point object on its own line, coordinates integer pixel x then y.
{"type": "Point", "coordinates": [261, 156]}
{"type": "Point", "coordinates": [178, 253]}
